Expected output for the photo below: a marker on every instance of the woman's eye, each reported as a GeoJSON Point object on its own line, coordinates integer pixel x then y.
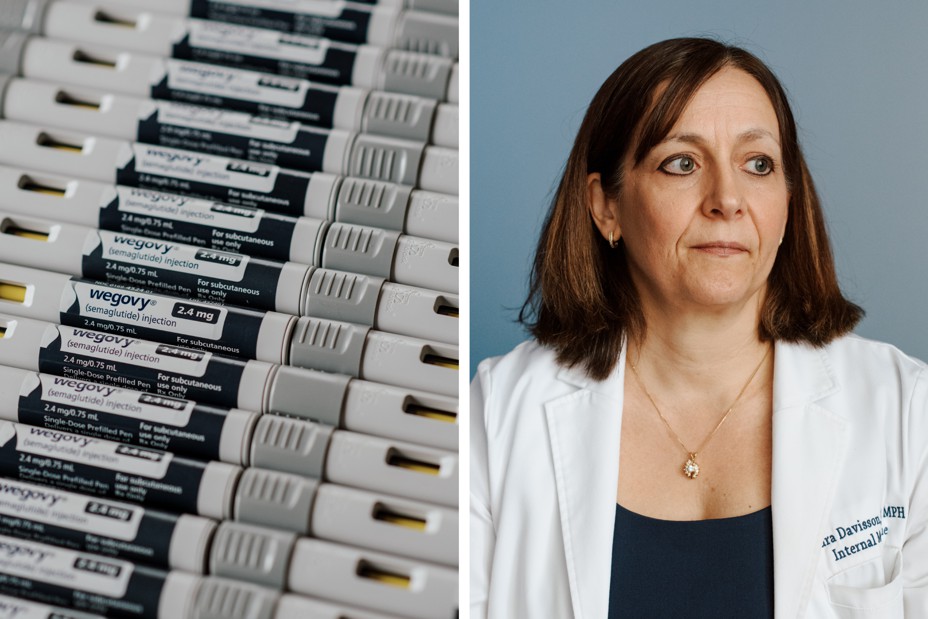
{"type": "Point", "coordinates": [679, 165]}
{"type": "Point", "coordinates": [761, 166]}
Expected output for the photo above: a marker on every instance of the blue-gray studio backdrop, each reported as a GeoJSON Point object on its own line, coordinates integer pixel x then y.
{"type": "Point", "coordinates": [857, 74]}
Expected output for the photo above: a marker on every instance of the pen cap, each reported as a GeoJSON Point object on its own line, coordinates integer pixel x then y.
{"type": "Point", "coordinates": [290, 445]}
{"type": "Point", "coordinates": [224, 598]}
{"type": "Point", "coordinates": [93, 110]}
{"type": "Point", "coordinates": [251, 553]}
{"type": "Point", "coordinates": [426, 263]}
{"type": "Point", "coordinates": [237, 436]}
{"type": "Point", "coordinates": [190, 543]}
{"type": "Point", "coordinates": [432, 215]}
{"type": "Point", "coordinates": [428, 33]}
{"type": "Point", "coordinates": [395, 467]}
{"type": "Point", "coordinates": [342, 296]}
{"type": "Point", "coordinates": [411, 362]}
{"type": "Point", "coordinates": [386, 159]}
{"type": "Point", "coordinates": [292, 606]}
{"type": "Point", "coordinates": [178, 595]}
{"type": "Point", "coordinates": [275, 499]}
{"type": "Point", "coordinates": [413, 73]}
{"type": "Point", "coordinates": [26, 15]}
{"type": "Point", "coordinates": [53, 196]}
{"type": "Point", "coordinates": [327, 345]}
{"type": "Point", "coordinates": [32, 293]}
{"type": "Point", "coordinates": [21, 340]}
{"type": "Point", "coordinates": [386, 523]}
{"type": "Point", "coordinates": [373, 580]}
{"type": "Point", "coordinates": [401, 413]}
{"type": "Point", "coordinates": [217, 489]}
{"type": "Point", "coordinates": [303, 393]}
{"type": "Point", "coordinates": [368, 202]}
{"type": "Point", "coordinates": [359, 249]}
{"type": "Point", "coordinates": [402, 116]}
{"type": "Point", "coordinates": [418, 312]}
{"type": "Point", "coordinates": [439, 170]}
{"type": "Point", "coordinates": [12, 49]}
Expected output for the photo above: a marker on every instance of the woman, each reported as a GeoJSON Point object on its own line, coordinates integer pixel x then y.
{"type": "Point", "coordinates": [693, 430]}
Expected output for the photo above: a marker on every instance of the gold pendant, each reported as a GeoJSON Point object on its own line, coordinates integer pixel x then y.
{"type": "Point", "coordinates": [691, 469]}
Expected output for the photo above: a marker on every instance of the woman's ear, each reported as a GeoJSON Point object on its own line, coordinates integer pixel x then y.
{"type": "Point", "coordinates": [604, 210]}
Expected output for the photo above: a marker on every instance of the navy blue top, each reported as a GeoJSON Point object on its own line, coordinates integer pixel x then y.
{"type": "Point", "coordinates": [702, 568]}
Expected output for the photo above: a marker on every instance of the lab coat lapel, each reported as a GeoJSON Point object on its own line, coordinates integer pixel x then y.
{"type": "Point", "coordinates": [580, 424]}
{"type": "Point", "coordinates": [808, 447]}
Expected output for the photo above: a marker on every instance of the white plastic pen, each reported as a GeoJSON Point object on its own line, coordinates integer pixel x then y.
{"type": "Point", "coordinates": [387, 24]}
{"type": "Point", "coordinates": [326, 345]}
{"type": "Point", "coordinates": [243, 229]}
{"type": "Point", "coordinates": [216, 276]}
{"type": "Point", "coordinates": [347, 247]}
{"type": "Point", "coordinates": [109, 22]}
{"type": "Point", "coordinates": [235, 135]}
{"type": "Point", "coordinates": [263, 94]}
{"type": "Point", "coordinates": [118, 588]}
{"type": "Point", "coordinates": [372, 408]}
{"type": "Point", "coordinates": [373, 520]}
{"type": "Point", "coordinates": [158, 424]}
{"type": "Point", "coordinates": [111, 528]}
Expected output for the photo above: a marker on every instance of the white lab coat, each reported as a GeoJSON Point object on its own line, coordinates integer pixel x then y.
{"type": "Point", "coordinates": [849, 487]}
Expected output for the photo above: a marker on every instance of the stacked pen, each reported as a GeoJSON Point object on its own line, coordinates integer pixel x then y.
{"type": "Point", "coordinates": [228, 309]}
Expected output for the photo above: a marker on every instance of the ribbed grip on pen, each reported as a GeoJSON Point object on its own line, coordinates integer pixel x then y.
{"type": "Point", "coordinates": [425, 75]}
{"type": "Point", "coordinates": [229, 599]}
{"type": "Point", "coordinates": [290, 445]}
{"type": "Point", "coordinates": [328, 345]}
{"type": "Point", "coordinates": [386, 159]}
{"type": "Point", "coordinates": [343, 296]}
{"type": "Point", "coordinates": [360, 249]}
{"type": "Point", "coordinates": [253, 554]}
{"type": "Point", "coordinates": [402, 116]}
{"type": "Point", "coordinates": [275, 499]}
{"type": "Point", "coordinates": [368, 202]}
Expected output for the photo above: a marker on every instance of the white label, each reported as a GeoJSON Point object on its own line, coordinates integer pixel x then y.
{"type": "Point", "coordinates": [145, 310]}
{"type": "Point", "coordinates": [113, 400]}
{"type": "Point", "coordinates": [191, 166]}
{"type": "Point", "coordinates": [69, 510]}
{"type": "Point", "coordinates": [189, 210]}
{"type": "Point", "coordinates": [237, 84]}
{"type": "Point", "coordinates": [257, 42]}
{"type": "Point", "coordinates": [91, 451]}
{"type": "Point", "coordinates": [106, 347]}
{"type": "Point", "coordinates": [234, 123]}
{"type": "Point", "coordinates": [141, 251]}
{"type": "Point", "coordinates": [65, 568]}
{"type": "Point", "coordinates": [325, 8]}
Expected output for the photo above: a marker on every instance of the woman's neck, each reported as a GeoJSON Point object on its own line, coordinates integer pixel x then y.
{"type": "Point", "coordinates": [708, 353]}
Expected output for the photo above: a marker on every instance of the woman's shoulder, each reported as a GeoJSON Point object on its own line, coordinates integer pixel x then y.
{"type": "Point", "coordinates": [519, 381]}
{"type": "Point", "coordinates": [860, 361]}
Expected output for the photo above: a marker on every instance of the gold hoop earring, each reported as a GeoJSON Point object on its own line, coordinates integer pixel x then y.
{"type": "Point", "coordinates": [612, 241]}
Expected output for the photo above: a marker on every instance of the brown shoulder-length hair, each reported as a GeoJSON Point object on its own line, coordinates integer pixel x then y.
{"type": "Point", "coordinates": [582, 301]}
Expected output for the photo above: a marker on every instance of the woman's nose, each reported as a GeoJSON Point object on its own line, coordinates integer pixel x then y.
{"type": "Point", "coordinates": [724, 196]}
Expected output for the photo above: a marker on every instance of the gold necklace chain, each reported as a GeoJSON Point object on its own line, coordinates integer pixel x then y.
{"type": "Point", "coordinates": [690, 467]}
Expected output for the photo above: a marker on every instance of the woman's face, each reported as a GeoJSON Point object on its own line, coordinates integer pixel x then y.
{"type": "Point", "coordinates": [703, 213]}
